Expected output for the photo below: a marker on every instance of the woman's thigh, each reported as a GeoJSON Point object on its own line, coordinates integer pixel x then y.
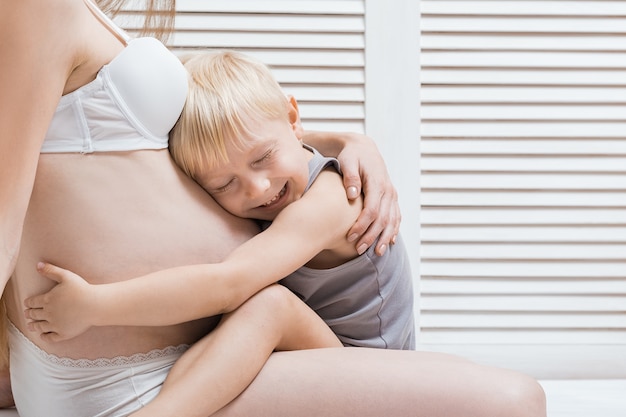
{"type": "Point", "coordinates": [342, 382]}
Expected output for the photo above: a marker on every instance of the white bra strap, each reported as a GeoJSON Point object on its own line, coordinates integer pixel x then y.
{"type": "Point", "coordinates": [106, 21]}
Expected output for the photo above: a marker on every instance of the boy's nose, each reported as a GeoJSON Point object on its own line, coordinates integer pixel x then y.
{"type": "Point", "coordinates": [258, 186]}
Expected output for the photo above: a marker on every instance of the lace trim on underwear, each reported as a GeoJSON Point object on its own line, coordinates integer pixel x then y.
{"type": "Point", "coordinates": [102, 362]}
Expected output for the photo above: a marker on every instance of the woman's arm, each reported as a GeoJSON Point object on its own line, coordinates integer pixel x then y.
{"type": "Point", "coordinates": [34, 66]}
{"type": "Point", "coordinates": [33, 72]}
{"type": "Point", "coordinates": [361, 163]}
{"type": "Point", "coordinates": [318, 221]}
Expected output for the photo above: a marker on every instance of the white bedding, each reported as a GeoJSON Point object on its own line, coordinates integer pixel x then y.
{"type": "Point", "coordinates": [576, 398]}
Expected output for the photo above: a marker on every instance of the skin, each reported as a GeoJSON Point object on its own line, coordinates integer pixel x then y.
{"type": "Point", "coordinates": [263, 179]}
{"type": "Point", "coordinates": [50, 48]}
{"type": "Point", "coordinates": [228, 359]}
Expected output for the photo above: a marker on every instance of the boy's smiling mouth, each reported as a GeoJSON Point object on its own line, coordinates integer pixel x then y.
{"type": "Point", "coordinates": [276, 197]}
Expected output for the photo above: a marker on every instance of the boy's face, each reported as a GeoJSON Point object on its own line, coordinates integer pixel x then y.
{"type": "Point", "coordinates": [267, 173]}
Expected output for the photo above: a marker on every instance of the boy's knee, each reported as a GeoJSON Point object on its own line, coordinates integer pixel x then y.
{"type": "Point", "coordinates": [276, 297]}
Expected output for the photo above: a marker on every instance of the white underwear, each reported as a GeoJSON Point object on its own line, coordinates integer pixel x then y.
{"type": "Point", "coordinates": [47, 385]}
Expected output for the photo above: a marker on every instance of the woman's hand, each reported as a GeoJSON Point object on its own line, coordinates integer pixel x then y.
{"type": "Point", "coordinates": [63, 312]}
{"type": "Point", "coordinates": [362, 163]}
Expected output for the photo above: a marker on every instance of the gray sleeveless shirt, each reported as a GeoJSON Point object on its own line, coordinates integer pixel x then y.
{"type": "Point", "coordinates": [368, 301]}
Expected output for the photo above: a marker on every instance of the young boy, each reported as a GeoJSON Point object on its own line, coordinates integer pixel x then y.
{"type": "Point", "coordinates": [239, 138]}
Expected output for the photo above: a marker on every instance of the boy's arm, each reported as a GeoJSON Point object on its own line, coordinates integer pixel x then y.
{"type": "Point", "coordinates": [318, 221]}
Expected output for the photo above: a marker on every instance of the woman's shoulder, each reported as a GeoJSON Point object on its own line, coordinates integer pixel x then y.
{"type": "Point", "coordinates": [35, 32]}
{"type": "Point", "coordinates": [37, 10]}
{"type": "Point", "coordinates": [41, 41]}
{"type": "Point", "coordinates": [38, 21]}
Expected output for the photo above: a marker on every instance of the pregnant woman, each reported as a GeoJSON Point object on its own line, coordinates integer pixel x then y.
{"type": "Point", "coordinates": [87, 183]}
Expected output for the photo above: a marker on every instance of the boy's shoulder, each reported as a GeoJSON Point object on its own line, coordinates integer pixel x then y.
{"type": "Point", "coordinates": [319, 163]}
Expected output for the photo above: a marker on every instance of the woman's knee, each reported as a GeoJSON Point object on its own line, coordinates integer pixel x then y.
{"type": "Point", "coordinates": [525, 396]}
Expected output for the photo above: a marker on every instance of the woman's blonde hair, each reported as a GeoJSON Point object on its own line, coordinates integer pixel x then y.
{"type": "Point", "coordinates": [158, 15]}
{"type": "Point", "coordinates": [225, 89]}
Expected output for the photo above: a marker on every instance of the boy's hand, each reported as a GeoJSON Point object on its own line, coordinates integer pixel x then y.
{"type": "Point", "coordinates": [63, 312]}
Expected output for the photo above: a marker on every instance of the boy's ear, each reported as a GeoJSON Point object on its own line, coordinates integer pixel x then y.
{"type": "Point", "coordinates": [294, 116]}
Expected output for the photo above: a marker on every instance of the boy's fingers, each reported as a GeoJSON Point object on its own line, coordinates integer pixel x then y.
{"type": "Point", "coordinates": [40, 327]}
{"type": "Point", "coordinates": [51, 337]}
{"type": "Point", "coordinates": [33, 314]}
{"type": "Point", "coordinates": [50, 271]}
{"type": "Point", "coordinates": [34, 302]}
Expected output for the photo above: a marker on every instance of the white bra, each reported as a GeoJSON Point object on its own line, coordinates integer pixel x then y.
{"type": "Point", "coordinates": [131, 105]}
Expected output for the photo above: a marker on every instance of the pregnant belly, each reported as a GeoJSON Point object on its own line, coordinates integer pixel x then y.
{"type": "Point", "coordinates": [108, 225]}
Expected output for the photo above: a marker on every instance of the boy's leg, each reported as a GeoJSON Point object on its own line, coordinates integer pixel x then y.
{"type": "Point", "coordinates": [220, 366]}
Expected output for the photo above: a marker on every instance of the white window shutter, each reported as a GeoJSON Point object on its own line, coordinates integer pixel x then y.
{"type": "Point", "coordinates": [315, 49]}
{"type": "Point", "coordinates": [523, 161]}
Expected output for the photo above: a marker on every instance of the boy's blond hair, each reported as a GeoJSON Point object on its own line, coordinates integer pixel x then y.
{"type": "Point", "coordinates": [225, 88]}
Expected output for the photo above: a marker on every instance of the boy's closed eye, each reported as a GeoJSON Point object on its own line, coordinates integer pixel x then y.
{"type": "Point", "coordinates": [221, 188]}
{"type": "Point", "coordinates": [266, 157]}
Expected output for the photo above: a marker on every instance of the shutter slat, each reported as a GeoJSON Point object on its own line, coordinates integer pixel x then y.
{"type": "Point", "coordinates": [522, 163]}
{"type": "Point", "coordinates": [521, 42]}
{"type": "Point", "coordinates": [511, 251]}
{"type": "Point", "coordinates": [485, 320]}
{"type": "Point", "coordinates": [523, 59]}
{"type": "Point", "coordinates": [583, 77]}
{"type": "Point", "coordinates": [521, 303]}
{"type": "Point", "coordinates": [498, 336]}
{"type": "Point", "coordinates": [326, 76]}
{"type": "Point", "coordinates": [526, 181]}
{"type": "Point", "coordinates": [536, 128]}
{"type": "Point", "coordinates": [274, 6]}
{"type": "Point", "coordinates": [525, 233]}
{"type": "Point", "coordinates": [525, 8]}
{"type": "Point", "coordinates": [265, 40]}
{"type": "Point", "coordinates": [524, 24]}
{"type": "Point", "coordinates": [522, 217]}
{"type": "Point", "coordinates": [528, 146]}
{"type": "Point", "coordinates": [212, 22]}
{"type": "Point", "coordinates": [481, 198]}
{"type": "Point", "coordinates": [517, 112]}
{"type": "Point", "coordinates": [528, 286]}
{"type": "Point", "coordinates": [526, 268]}
{"type": "Point", "coordinates": [300, 58]}
{"type": "Point", "coordinates": [523, 95]}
